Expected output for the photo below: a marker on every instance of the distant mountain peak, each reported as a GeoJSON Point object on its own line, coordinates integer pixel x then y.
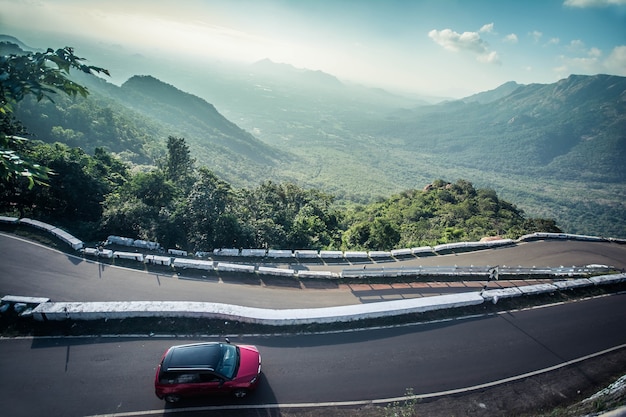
{"type": "Point", "coordinates": [268, 68]}
{"type": "Point", "coordinates": [493, 95]}
{"type": "Point", "coordinates": [14, 40]}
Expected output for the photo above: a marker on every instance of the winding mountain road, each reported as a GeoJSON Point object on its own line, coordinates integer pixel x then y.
{"type": "Point", "coordinates": [34, 270]}
{"type": "Point", "coordinates": [112, 375]}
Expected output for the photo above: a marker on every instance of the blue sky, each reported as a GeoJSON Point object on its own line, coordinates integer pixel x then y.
{"type": "Point", "coordinates": [449, 48]}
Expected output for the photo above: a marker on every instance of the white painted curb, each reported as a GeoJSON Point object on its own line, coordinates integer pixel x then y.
{"type": "Point", "coordinates": [281, 317]}
{"type": "Point", "coordinates": [272, 317]}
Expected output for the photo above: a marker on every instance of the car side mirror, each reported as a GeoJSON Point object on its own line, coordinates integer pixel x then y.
{"type": "Point", "coordinates": [227, 340]}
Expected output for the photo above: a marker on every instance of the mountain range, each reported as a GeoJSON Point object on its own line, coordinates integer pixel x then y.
{"type": "Point", "coordinates": [555, 150]}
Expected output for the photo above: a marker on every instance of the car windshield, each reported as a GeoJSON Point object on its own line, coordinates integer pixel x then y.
{"type": "Point", "coordinates": [229, 361]}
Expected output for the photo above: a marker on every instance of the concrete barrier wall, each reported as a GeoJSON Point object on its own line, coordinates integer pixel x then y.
{"type": "Point", "coordinates": [273, 317]}
{"type": "Point", "coordinates": [265, 270]}
{"type": "Point", "coordinates": [61, 234]}
{"type": "Point", "coordinates": [254, 253]}
{"type": "Point", "coordinates": [355, 273]}
{"type": "Point", "coordinates": [423, 251]}
{"type": "Point", "coordinates": [306, 254]}
{"type": "Point", "coordinates": [77, 244]}
{"type": "Point", "coordinates": [331, 254]}
{"type": "Point", "coordinates": [136, 243]}
{"type": "Point", "coordinates": [310, 254]}
{"type": "Point", "coordinates": [279, 253]}
{"type": "Point", "coordinates": [355, 255]}
{"type": "Point", "coordinates": [158, 260]}
{"type": "Point", "coordinates": [9, 220]}
{"type": "Point", "coordinates": [401, 252]}
{"type": "Point", "coordinates": [97, 252]}
{"type": "Point", "coordinates": [608, 279]}
{"type": "Point", "coordinates": [279, 317]}
{"type": "Point", "coordinates": [144, 244]}
{"type": "Point", "coordinates": [470, 272]}
{"type": "Point", "coordinates": [228, 267]}
{"type": "Point", "coordinates": [379, 254]}
{"type": "Point", "coordinates": [128, 255]}
{"type": "Point", "coordinates": [193, 263]}
{"type": "Point", "coordinates": [316, 274]}
{"type": "Point", "coordinates": [226, 252]}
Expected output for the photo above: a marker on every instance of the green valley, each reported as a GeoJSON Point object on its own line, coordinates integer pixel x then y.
{"type": "Point", "coordinates": [555, 151]}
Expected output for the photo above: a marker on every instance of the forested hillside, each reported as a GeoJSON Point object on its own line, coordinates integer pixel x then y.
{"type": "Point", "coordinates": [181, 205]}
{"type": "Point", "coordinates": [93, 122]}
{"type": "Point", "coordinates": [134, 121]}
{"type": "Point", "coordinates": [194, 116]}
{"type": "Point", "coordinates": [555, 151]}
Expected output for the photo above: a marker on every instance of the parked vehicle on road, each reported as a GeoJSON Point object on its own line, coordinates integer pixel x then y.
{"type": "Point", "coordinates": [207, 368]}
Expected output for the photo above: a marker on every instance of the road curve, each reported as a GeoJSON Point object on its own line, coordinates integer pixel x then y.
{"type": "Point", "coordinates": [91, 376]}
{"type": "Point", "coordinates": [88, 376]}
{"type": "Point", "coordinates": [35, 270]}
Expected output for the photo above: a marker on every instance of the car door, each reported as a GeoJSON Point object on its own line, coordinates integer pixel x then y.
{"type": "Point", "coordinates": [210, 383]}
{"type": "Point", "coordinates": [185, 383]}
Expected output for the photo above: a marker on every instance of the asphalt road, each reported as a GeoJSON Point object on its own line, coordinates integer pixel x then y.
{"type": "Point", "coordinates": [34, 270]}
{"type": "Point", "coordinates": [94, 376]}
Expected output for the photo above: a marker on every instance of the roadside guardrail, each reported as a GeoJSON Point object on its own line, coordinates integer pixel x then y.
{"type": "Point", "coordinates": [279, 317]}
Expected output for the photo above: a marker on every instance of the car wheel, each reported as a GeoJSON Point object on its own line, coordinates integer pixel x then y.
{"type": "Point", "coordinates": [172, 398]}
{"type": "Point", "coordinates": [240, 393]}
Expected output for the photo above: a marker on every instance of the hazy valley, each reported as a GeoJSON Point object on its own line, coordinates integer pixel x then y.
{"type": "Point", "coordinates": [554, 150]}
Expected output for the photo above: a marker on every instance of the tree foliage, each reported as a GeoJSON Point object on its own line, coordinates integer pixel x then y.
{"type": "Point", "coordinates": [179, 205]}
{"type": "Point", "coordinates": [42, 75]}
{"type": "Point", "coordinates": [76, 189]}
{"type": "Point", "coordinates": [100, 196]}
{"type": "Point", "coordinates": [440, 213]}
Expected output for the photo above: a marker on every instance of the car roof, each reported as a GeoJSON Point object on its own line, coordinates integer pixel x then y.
{"type": "Point", "coordinates": [199, 356]}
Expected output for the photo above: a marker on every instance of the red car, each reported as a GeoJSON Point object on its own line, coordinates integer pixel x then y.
{"type": "Point", "coordinates": [207, 368]}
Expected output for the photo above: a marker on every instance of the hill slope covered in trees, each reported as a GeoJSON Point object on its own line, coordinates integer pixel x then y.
{"type": "Point", "coordinates": [554, 150]}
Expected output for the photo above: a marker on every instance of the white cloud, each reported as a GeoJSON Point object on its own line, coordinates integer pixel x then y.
{"type": "Point", "coordinates": [595, 52]}
{"type": "Point", "coordinates": [616, 61]}
{"type": "Point", "coordinates": [511, 38]}
{"type": "Point", "coordinates": [591, 62]}
{"type": "Point", "coordinates": [488, 28]}
{"type": "Point", "coordinates": [553, 41]}
{"type": "Point", "coordinates": [466, 41]}
{"type": "Point", "coordinates": [489, 58]}
{"type": "Point", "coordinates": [536, 35]}
{"type": "Point", "coordinates": [593, 3]}
{"type": "Point", "coordinates": [583, 65]}
{"type": "Point", "coordinates": [576, 45]}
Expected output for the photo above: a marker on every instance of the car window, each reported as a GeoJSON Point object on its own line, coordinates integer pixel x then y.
{"type": "Point", "coordinates": [209, 377]}
{"type": "Point", "coordinates": [228, 362]}
{"type": "Point", "coordinates": [180, 378]}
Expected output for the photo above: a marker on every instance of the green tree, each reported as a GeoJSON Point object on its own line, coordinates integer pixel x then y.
{"type": "Point", "coordinates": [301, 218]}
{"type": "Point", "coordinates": [77, 190]}
{"type": "Point", "coordinates": [356, 236]}
{"type": "Point", "coordinates": [207, 212]}
{"type": "Point", "coordinates": [42, 75]}
{"type": "Point", "coordinates": [179, 165]}
{"type": "Point", "coordinates": [126, 215]}
{"type": "Point", "coordinates": [441, 213]}
{"type": "Point", "coordinates": [153, 189]}
{"type": "Point", "coordinates": [384, 235]}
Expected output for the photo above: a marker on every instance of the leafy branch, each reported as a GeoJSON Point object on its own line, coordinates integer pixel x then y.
{"type": "Point", "coordinates": [41, 74]}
